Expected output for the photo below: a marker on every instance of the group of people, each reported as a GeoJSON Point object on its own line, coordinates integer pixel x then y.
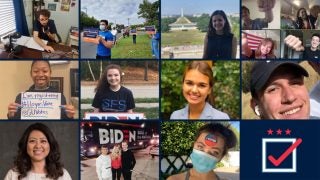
{"type": "Point", "coordinates": [119, 161]}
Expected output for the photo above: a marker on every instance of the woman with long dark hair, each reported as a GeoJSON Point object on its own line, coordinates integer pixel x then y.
{"type": "Point", "coordinates": [38, 156]}
{"type": "Point", "coordinates": [219, 42]}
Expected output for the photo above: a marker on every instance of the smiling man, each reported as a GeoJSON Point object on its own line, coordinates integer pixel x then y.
{"type": "Point", "coordinates": [278, 90]}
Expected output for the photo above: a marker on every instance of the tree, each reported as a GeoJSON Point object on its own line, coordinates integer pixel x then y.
{"type": "Point", "coordinates": [86, 21]}
{"type": "Point", "coordinates": [165, 23]}
{"type": "Point", "coordinates": [150, 12]}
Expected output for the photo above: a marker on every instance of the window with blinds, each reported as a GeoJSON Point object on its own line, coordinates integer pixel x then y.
{"type": "Point", "coordinates": [7, 17]}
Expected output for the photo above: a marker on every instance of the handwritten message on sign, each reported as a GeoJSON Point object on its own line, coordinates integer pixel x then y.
{"type": "Point", "coordinates": [114, 116]}
{"type": "Point", "coordinates": [40, 105]}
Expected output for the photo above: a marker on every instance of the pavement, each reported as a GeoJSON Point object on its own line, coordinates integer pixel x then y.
{"type": "Point", "coordinates": [146, 168]}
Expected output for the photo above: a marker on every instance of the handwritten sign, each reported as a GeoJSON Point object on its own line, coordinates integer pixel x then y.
{"type": "Point", "coordinates": [40, 105]}
{"type": "Point", "coordinates": [114, 116]}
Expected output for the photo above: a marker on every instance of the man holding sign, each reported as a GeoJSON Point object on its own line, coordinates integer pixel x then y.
{"type": "Point", "coordinates": [41, 101]}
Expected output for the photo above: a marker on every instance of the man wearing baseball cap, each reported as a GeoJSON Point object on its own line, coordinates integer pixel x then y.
{"type": "Point", "coordinates": [278, 90]}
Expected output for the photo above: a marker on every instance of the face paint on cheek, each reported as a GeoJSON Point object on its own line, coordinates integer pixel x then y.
{"type": "Point", "coordinates": [211, 140]}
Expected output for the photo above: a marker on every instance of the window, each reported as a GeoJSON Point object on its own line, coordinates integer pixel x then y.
{"type": "Point", "coordinates": [7, 17]}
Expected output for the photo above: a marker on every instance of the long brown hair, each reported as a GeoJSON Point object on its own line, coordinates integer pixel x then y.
{"type": "Point", "coordinates": [263, 42]}
{"type": "Point", "coordinates": [103, 84]}
{"type": "Point", "coordinates": [205, 69]}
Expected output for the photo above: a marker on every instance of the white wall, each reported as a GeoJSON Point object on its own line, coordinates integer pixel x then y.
{"type": "Point", "coordinates": [63, 19]}
{"type": "Point", "coordinates": [255, 13]}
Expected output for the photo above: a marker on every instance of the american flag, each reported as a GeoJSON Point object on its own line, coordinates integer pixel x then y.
{"type": "Point", "coordinates": [253, 40]}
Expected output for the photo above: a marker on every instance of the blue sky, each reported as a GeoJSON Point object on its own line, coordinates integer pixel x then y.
{"type": "Point", "coordinates": [235, 124]}
{"type": "Point", "coordinates": [170, 7]}
{"type": "Point", "coordinates": [114, 10]}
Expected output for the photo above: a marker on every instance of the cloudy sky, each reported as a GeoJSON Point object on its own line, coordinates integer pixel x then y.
{"type": "Point", "coordinates": [116, 11]}
{"type": "Point", "coordinates": [173, 7]}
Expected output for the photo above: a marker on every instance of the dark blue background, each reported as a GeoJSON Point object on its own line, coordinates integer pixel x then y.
{"type": "Point", "coordinates": [308, 152]}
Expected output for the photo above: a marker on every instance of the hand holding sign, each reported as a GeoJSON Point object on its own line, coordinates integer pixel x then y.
{"type": "Point", "coordinates": [40, 105]}
{"type": "Point", "coordinates": [12, 109]}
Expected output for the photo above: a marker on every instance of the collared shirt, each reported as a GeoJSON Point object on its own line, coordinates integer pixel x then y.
{"type": "Point", "coordinates": [208, 113]}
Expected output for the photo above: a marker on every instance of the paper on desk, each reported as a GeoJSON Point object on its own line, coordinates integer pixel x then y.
{"type": "Point", "coordinates": [29, 42]}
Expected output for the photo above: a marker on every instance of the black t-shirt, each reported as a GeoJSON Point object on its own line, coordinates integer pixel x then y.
{"type": "Point", "coordinates": [110, 101]}
{"type": "Point", "coordinates": [50, 26]}
{"type": "Point", "coordinates": [308, 54]}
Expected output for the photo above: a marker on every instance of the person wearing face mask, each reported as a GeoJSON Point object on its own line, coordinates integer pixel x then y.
{"type": "Point", "coordinates": [44, 28]}
{"type": "Point", "coordinates": [219, 42]}
{"type": "Point", "coordinates": [311, 52]}
{"type": "Point", "coordinates": [212, 143]}
{"type": "Point", "coordinates": [197, 83]}
{"type": "Point", "coordinates": [110, 95]}
{"type": "Point", "coordinates": [38, 156]}
{"type": "Point", "coordinates": [278, 90]}
{"type": "Point", "coordinates": [40, 73]}
{"type": "Point", "coordinates": [265, 49]}
{"type": "Point", "coordinates": [104, 41]}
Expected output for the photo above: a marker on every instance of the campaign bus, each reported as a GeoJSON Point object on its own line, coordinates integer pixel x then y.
{"type": "Point", "coordinates": [94, 134]}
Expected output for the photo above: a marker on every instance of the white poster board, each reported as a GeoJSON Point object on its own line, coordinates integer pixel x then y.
{"type": "Point", "coordinates": [113, 116]}
{"type": "Point", "coordinates": [40, 105]}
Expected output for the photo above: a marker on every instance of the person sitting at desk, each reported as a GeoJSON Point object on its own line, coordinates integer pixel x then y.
{"type": "Point", "coordinates": [44, 28]}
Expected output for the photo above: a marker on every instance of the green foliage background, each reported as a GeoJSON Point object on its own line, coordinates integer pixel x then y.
{"type": "Point", "coordinates": [226, 87]}
{"type": "Point", "coordinates": [177, 137]}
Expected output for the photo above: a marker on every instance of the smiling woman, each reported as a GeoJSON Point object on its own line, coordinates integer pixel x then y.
{"type": "Point", "coordinates": [38, 156]}
{"type": "Point", "coordinates": [197, 85]}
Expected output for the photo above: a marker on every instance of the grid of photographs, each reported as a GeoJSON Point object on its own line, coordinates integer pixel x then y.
{"type": "Point", "coordinates": [159, 89]}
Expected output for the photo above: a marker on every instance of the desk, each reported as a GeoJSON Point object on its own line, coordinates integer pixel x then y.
{"type": "Point", "coordinates": [28, 53]}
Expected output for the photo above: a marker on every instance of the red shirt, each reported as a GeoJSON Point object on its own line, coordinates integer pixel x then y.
{"type": "Point", "coordinates": [116, 162]}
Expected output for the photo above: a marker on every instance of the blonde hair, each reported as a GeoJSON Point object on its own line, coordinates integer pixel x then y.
{"type": "Point", "coordinates": [116, 151]}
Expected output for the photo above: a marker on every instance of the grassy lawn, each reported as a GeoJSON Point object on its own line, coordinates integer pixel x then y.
{"type": "Point", "coordinates": [126, 49]}
{"type": "Point", "coordinates": [150, 113]}
{"type": "Point", "coordinates": [179, 38]}
{"type": "Point", "coordinates": [136, 100]}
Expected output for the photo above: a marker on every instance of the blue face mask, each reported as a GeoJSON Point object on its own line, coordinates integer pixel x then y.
{"type": "Point", "coordinates": [102, 27]}
{"type": "Point", "coordinates": [202, 161]}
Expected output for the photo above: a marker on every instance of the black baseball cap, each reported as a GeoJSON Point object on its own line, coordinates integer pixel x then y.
{"type": "Point", "coordinates": [262, 70]}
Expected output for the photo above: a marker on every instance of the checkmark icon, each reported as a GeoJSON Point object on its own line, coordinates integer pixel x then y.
{"type": "Point", "coordinates": [283, 156]}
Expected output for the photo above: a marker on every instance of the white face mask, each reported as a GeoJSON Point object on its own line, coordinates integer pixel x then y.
{"type": "Point", "coordinates": [102, 27]}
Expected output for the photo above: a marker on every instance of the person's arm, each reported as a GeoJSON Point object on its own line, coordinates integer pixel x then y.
{"type": "Point", "coordinates": [98, 168]}
{"type": "Point", "coordinates": [205, 47]}
{"type": "Point", "coordinates": [234, 47]}
{"type": "Point", "coordinates": [107, 44]}
{"type": "Point", "coordinates": [266, 6]}
{"type": "Point", "coordinates": [12, 110]}
{"type": "Point", "coordinates": [41, 43]}
{"type": "Point", "coordinates": [96, 110]}
{"type": "Point", "coordinates": [294, 43]}
{"type": "Point", "coordinates": [245, 47]}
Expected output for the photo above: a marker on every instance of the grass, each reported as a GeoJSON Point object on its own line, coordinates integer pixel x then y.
{"type": "Point", "coordinates": [179, 38]}
{"type": "Point", "coordinates": [136, 100]}
{"type": "Point", "coordinates": [150, 113]}
{"type": "Point", "coordinates": [126, 49]}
